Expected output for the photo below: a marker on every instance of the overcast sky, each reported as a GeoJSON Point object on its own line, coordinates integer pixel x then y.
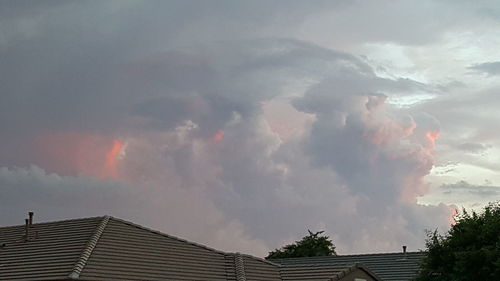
{"type": "Point", "coordinates": [241, 124]}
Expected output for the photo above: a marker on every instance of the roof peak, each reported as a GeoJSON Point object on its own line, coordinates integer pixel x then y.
{"type": "Point", "coordinates": [354, 255]}
{"type": "Point", "coordinates": [56, 221]}
{"type": "Point", "coordinates": [384, 253]}
{"type": "Point", "coordinates": [168, 235]}
{"type": "Point", "coordinates": [109, 217]}
{"type": "Point", "coordinates": [91, 244]}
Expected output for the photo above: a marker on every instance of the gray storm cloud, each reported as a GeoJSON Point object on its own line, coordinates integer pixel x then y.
{"type": "Point", "coordinates": [491, 68]}
{"type": "Point", "coordinates": [183, 87]}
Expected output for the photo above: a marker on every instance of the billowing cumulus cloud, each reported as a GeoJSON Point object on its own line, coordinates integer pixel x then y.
{"type": "Point", "coordinates": [228, 124]}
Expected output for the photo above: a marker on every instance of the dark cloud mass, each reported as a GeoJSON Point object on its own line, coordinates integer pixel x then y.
{"type": "Point", "coordinates": [473, 147]}
{"type": "Point", "coordinates": [480, 190]}
{"type": "Point", "coordinates": [157, 112]}
{"type": "Point", "coordinates": [491, 68]}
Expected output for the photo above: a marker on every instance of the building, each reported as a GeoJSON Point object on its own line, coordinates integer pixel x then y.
{"type": "Point", "coordinates": [402, 266]}
{"type": "Point", "coordinates": [111, 249]}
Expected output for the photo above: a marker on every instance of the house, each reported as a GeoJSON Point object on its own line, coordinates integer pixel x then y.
{"type": "Point", "coordinates": [401, 266]}
{"type": "Point", "coordinates": [110, 249]}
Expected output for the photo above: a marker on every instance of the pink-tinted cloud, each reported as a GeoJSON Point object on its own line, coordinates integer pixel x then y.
{"type": "Point", "coordinates": [74, 153]}
{"type": "Point", "coordinates": [163, 113]}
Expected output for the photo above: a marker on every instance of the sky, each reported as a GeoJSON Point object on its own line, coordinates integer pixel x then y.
{"type": "Point", "coordinates": [242, 124]}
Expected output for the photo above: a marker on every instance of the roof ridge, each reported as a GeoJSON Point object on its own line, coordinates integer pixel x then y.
{"type": "Point", "coordinates": [194, 243]}
{"type": "Point", "coordinates": [49, 222]}
{"type": "Point", "coordinates": [278, 260]}
{"type": "Point", "coordinates": [385, 253]}
{"type": "Point", "coordinates": [87, 251]}
{"type": "Point", "coordinates": [339, 275]}
{"type": "Point", "coordinates": [259, 259]}
{"type": "Point", "coordinates": [310, 264]}
{"type": "Point", "coordinates": [169, 236]}
{"type": "Point", "coordinates": [367, 270]}
{"type": "Point", "coordinates": [239, 263]}
{"type": "Point", "coordinates": [239, 267]}
{"type": "Point", "coordinates": [344, 272]}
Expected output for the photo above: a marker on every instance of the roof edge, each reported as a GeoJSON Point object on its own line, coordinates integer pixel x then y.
{"type": "Point", "coordinates": [259, 259]}
{"type": "Point", "coordinates": [50, 222]}
{"type": "Point", "coordinates": [348, 270]}
{"type": "Point", "coordinates": [87, 251]}
{"type": "Point", "coordinates": [343, 273]}
{"type": "Point", "coordinates": [277, 260]}
{"type": "Point", "coordinates": [369, 272]}
{"type": "Point", "coordinates": [170, 236]}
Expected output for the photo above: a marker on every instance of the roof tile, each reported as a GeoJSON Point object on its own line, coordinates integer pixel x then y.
{"type": "Point", "coordinates": [111, 249]}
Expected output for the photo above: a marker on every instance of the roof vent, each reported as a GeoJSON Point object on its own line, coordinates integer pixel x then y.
{"type": "Point", "coordinates": [27, 227]}
{"type": "Point", "coordinates": [26, 230]}
{"type": "Point", "coordinates": [404, 252]}
{"type": "Point", "coordinates": [30, 214]}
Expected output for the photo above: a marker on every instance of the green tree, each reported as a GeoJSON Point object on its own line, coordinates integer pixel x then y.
{"type": "Point", "coordinates": [470, 250]}
{"type": "Point", "coordinates": [312, 245]}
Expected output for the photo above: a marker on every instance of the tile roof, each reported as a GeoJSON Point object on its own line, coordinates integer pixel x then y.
{"type": "Point", "coordinates": [111, 249]}
{"type": "Point", "coordinates": [257, 269]}
{"type": "Point", "coordinates": [387, 266]}
{"type": "Point", "coordinates": [130, 252]}
{"type": "Point", "coordinates": [50, 256]}
{"type": "Point", "coordinates": [312, 271]}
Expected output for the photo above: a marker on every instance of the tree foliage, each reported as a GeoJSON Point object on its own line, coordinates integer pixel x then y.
{"type": "Point", "coordinates": [312, 245]}
{"type": "Point", "coordinates": [470, 250]}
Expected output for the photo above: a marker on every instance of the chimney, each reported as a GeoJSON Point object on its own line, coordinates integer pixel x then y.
{"type": "Point", "coordinates": [26, 231]}
{"type": "Point", "coordinates": [30, 214]}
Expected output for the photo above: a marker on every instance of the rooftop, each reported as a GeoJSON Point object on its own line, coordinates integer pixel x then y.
{"type": "Point", "coordinates": [110, 249]}
{"type": "Point", "coordinates": [387, 266]}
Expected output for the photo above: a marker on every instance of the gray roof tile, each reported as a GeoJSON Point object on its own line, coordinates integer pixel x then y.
{"type": "Point", "coordinates": [52, 255]}
{"type": "Point", "coordinates": [107, 249]}
{"type": "Point", "coordinates": [257, 269]}
{"type": "Point", "coordinates": [387, 266]}
{"type": "Point", "coordinates": [111, 249]}
{"type": "Point", "coordinates": [126, 251]}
